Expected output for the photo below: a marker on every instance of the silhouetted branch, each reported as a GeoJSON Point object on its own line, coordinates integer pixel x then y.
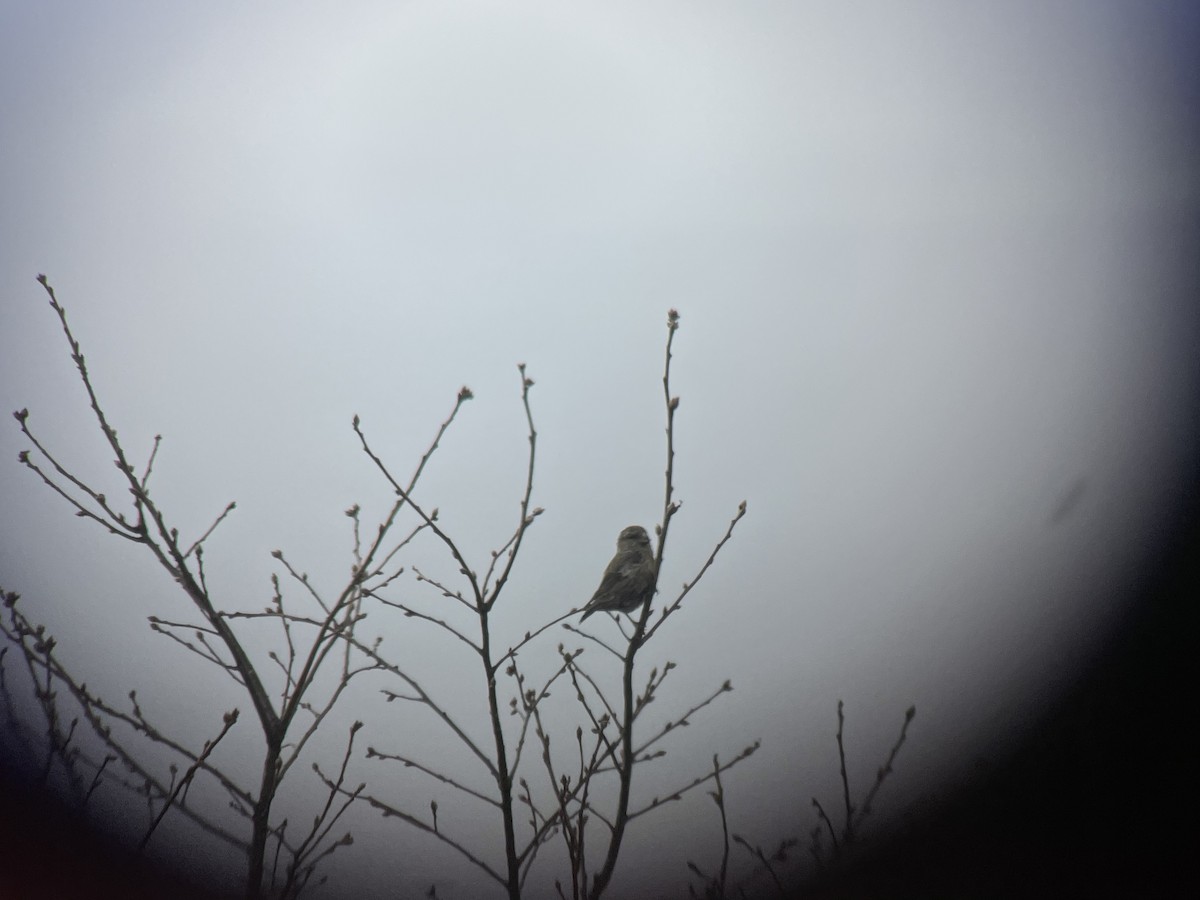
{"type": "Point", "coordinates": [428, 827]}
{"type": "Point", "coordinates": [304, 857]}
{"type": "Point", "coordinates": [40, 658]}
{"type": "Point", "coordinates": [215, 640]}
{"type": "Point", "coordinates": [527, 517]}
{"type": "Point", "coordinates": [688, 585]}
{"type": "Point", "coordinates": [410, 763]}
{"type": "Point", "coordinates": [211, 528]}
{"type": "Point", "coordinates": [683, 719]}
{"type": "Point", "coordinates": [531, 635]}
{"type": "Point", "coordinates": [441, 623]}
{"type": "Point", "coordinates": [715, 885]}
{"type": "Point", "coordinates": [780, 855]}
{"type": "Point", "coordinates": [824, 817]}
{"type": "Point", "coordinates": [230, 718]}
{"type": "Point", "coordinates": [886, 769]}
{"type": "Point", "coordinates": [854, 816]}
{"type": "Point", "coordinates": [845, 780]}
{"type": "Point", "coordinates": [694, 783]}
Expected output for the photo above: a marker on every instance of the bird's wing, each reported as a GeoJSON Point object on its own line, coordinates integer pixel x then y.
{"type": "Point", "coordinates": [613, 575]}
{"type": "Point", "coordinates": [622, 572]}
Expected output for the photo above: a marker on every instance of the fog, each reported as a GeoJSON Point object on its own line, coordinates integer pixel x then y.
{"type": "Point", "coordinates": [933, 332]}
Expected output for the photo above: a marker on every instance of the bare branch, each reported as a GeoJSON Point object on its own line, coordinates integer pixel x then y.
{"type": "Point", "coordinates": [304, 862]}
{"type": "Point", "coordinates": [446, 592]}
{"type": "Point", "coordinates": [428, 827]}
{"type": "Point", "coordinates": [145, 480]}
{"type": "Point", "coordinates": [567, 626]}
{"type": "Point", "coordinates": [121, 528]}
{"type": "Point", "coordinates": [302, 579]}
{"type": "Point", "coordinates": [319, 715]}
{"type": "Point", "coordinates": [683, 720]}
{"type": "Point", "coordinates": [378, 571]}
{"type": "Point", "coordinates": [687, 587]}
{"type": "Point", "coordinates": [423, 698]}
{"type": "Point", "coordinates": [676, 795]}
{"type": "Point", "coordinates": [845, 780]}
{"type": "Point", "coordinates": [211, 528]}
{"type": "Point", "coordinates": [414, 614]}
{"type": "Point", "coordinates": [409, 763]}
{"type": "Point", "coordinates": [824, 817]}
{"type": "Point", "coordinates": [527, 517]}
{"type": "Point", "coordinates": [205, 651]}
{"type": "Point", "coordinates": [230, 718]}
{"type": "Point", "coordinates": [530, 635]}
{"type": "Point", "coordinates": [93, 708]}
{"type": "Point", "coordinates": [405, 494]}
{"type": "Point", "coordinates": [670, 507]}
{"type": "Point", "coordinates": [886, 769]}
{"type": "Point", "coordinates": [780, 855]}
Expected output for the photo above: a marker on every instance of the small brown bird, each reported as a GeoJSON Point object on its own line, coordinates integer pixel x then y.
{"type": "Point", "coordinates": [629, 579]}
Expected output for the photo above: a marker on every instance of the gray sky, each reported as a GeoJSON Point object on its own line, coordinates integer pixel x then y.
{"type": "Point", "coordinates": [930, 333]}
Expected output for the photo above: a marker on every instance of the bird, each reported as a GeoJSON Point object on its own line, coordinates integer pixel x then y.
{"type": "Point", "coordinates": [630, 578]}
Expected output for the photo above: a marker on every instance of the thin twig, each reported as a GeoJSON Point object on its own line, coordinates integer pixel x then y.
{"type": "Point", "coordinates": [694, 783]}
{"type": "Point", "coordinates": [211, 528]}
{"type": "Point", "coordinates": [410, 763]}
{"type": "Point", "coordinates": [849, 829]}
{"type": "Point", "coordinates": [230, 718]}
{"type": "Point", "coordinates": [886, 769]}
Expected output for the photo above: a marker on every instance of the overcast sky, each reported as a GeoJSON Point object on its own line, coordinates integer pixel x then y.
{"type": "Point", "coordinates": [925, 257]}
